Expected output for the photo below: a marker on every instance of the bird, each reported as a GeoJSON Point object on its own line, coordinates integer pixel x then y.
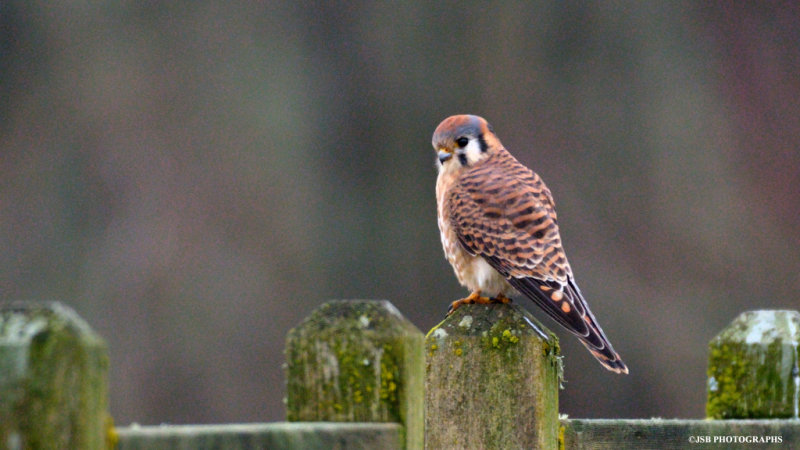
{"type": "Point", "coordinates": [499, 231]}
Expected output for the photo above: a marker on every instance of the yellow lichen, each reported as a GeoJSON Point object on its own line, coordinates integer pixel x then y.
{"type": "Point", "coordinates": [112, 438]}
{"type": "Point", "coordinates": [510, 337]}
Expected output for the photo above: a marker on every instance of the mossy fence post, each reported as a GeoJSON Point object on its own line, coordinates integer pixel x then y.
{"type": "Point", "coordinates": [357, 361]}
{"type": "Point", "coordinates": [492, 380]}
{"type": "Point", "coordinates": [753, 370]}
{"type": "Point", "coordinates": [53, 379]}
{"type": "Point", "coordinates": [752, 374]}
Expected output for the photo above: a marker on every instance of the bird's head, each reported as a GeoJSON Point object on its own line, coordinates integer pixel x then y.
{"type": "Point", "coordinates": [463, 140]}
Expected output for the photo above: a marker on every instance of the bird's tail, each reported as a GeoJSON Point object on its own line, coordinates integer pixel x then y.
{"type": "Point", "coordinates": [565, 304]}
{"type": "Point", "coordinates": [596, 341]}
{"type": "Point", "coordinates": [601, 349]}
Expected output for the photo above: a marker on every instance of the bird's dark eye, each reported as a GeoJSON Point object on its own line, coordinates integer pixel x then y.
{"type": "Point", "coordinates": [462, 142]}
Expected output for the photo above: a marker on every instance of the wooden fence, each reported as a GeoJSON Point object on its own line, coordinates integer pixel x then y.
{"type": "Point", "coordinates": [361, 376]}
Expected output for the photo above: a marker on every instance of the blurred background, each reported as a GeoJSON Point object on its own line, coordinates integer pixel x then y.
{"type": "Point", "coordinates": [194, 178]}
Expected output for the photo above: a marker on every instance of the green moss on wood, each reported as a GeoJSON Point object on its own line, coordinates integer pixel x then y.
{"type": "Point", "coordinates": [53, 378]}
{"type": "Point", "coordinates": [492, 380]}
{"type": "Point", "coordinates": [752, 367]}
{"type": "Point", "coordinates": [355, 361]}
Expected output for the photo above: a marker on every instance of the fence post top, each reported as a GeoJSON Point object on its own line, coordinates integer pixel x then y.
{"type": "Point", "coordinates": [22, 320]}
{"type": "Point", "coordinates": [360, 315]}
{"type": "Point", "coordinates": [753, 367]}
{"type": "Point", "coordinates": [762, 327]}
{"type": "Point", "coordinates": [492, 320]}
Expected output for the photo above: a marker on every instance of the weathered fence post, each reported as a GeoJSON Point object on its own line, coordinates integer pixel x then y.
{"type": "Point", "coordinates": [357, 361]}
{"type": "Point", "coordinates": [53, 379]}
{"type": "Point", "coordinates": [493, 374]}
{"type": "Point", "coordinates": [753, 367]}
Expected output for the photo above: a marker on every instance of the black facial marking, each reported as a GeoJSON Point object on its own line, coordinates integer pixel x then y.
{"type": "Point", "coordinates": [482, 143]}
{"type": "Point", "coordinates": [462, 158]}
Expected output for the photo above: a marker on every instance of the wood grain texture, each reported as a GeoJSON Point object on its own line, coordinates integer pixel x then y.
{"type": "Point", "coordinates": [638, 434]}
{"type": "Point", "coordinates": [356, 361]}
{"type": "Point", "coordinates": [492, 379]}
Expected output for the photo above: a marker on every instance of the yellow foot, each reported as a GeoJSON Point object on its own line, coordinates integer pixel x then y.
{"type": "Point", "coordinates": [476, 297]}
{"type": "Point", "coordinates": [501, 298]}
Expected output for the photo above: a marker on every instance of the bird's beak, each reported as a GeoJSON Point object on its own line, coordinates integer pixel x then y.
{"type": "Point", "coordinates": [444, 155]}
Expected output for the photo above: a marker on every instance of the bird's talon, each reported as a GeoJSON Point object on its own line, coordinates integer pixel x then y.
{"type": "Point", "coordinates": [502, 299]}
{"type": "Point", "coordinates": [476, 297]}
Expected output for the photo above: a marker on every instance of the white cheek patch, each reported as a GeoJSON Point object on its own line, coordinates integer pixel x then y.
{"type": "Point", "coordinates": [472, 151]}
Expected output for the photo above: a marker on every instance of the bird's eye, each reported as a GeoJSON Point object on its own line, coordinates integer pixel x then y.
{"type": "Point", "coordinates": [462, 142]}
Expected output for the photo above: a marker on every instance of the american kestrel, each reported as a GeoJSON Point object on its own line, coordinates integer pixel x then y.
{"type": "Point", "coordinates": [499, 231]}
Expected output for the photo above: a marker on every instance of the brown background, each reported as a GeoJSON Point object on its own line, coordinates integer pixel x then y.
{"type": "Point", "coordinates": [195, 177]}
